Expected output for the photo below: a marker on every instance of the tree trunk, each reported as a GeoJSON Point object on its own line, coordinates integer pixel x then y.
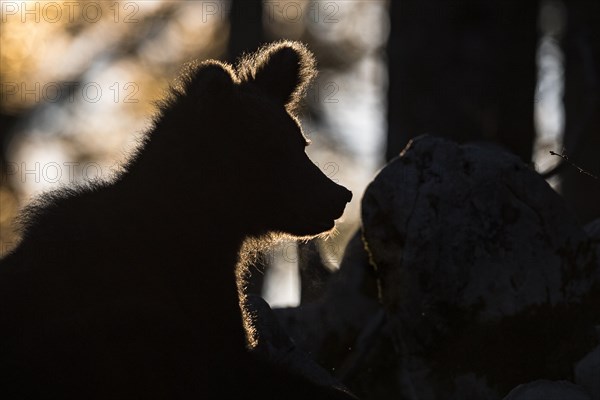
{"type": "Point", "coordinates": [463, 70]}
{"type": "Point", "coordinates": [582, 109]}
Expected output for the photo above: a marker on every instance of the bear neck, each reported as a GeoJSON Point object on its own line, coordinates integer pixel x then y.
{"type": "Point", "coordinates": [201, 265]}
{"type": "Point", "coordinates": [199, 269]}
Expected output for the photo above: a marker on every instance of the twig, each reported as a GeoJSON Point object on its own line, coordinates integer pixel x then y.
{"type": "Point", "coordinates": [566, 158]}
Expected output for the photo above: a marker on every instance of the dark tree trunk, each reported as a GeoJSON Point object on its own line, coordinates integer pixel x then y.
{"type": "Point", "coordinates": [582, 108]}
{"type": "Point", "coordinates": [314, 275]}
{"type": "Point", "coordinates": [7, 123]}
{"type": "Point", "coordinates": [463, 70]}
{"type": "Point", "coordinates": [246, 27]}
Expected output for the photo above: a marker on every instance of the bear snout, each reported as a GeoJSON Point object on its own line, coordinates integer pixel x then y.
{"type": "Point", "coordinates": [340, 194]}
{"type": "Point", "coordinates": [347, 194]}
{"type": "Point", "coordinates": [337, 199]}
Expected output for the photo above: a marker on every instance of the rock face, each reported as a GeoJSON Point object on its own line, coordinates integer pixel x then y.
{"type": "Point", "coordinates": [342, 329]}
{"type": "Point", "coordinates": [277, 348]}
{"type": "Point", "coordinates": [547, 390]}
{"type": "Point", "coordinates": [489, 279]}
{"type": "Point", "coordinates": [587, 373]}
{"type": "Point", "coordinates": [593, 231]}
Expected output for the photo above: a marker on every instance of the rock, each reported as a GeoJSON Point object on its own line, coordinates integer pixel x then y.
{"type": "Point", "coordinates": [547, 390]}
{"type": "Point", "coordinates": [486, 272]}
{"type": "Point", "coordinates": [587, 373]}
{"type": "Point", "coordinates": [342, 329]}
{"type": "Point", "coordinates": [593, 231]}
{"type": "Point", "coordinates": [276, 347]}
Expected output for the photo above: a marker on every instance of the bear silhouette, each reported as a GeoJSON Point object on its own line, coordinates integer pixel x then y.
{"type": "Point", "coordinates": [128, 289]}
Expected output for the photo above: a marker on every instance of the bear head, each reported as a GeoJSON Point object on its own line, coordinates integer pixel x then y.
{"type": "Point", "coordinates": [256, 160]}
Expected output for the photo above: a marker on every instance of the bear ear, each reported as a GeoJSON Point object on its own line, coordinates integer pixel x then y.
{"type": "Point", "coordinates": [282, 70]}
{"type": "Point", "coordinates": [209, 79]}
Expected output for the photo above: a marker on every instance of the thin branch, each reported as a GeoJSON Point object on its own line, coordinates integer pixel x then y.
{"type": "Point", "coordinates": [566, 158]}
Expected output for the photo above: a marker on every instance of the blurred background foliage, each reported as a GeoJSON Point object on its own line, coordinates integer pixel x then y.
{"type": "Point", "coordinates": [78, 80]}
